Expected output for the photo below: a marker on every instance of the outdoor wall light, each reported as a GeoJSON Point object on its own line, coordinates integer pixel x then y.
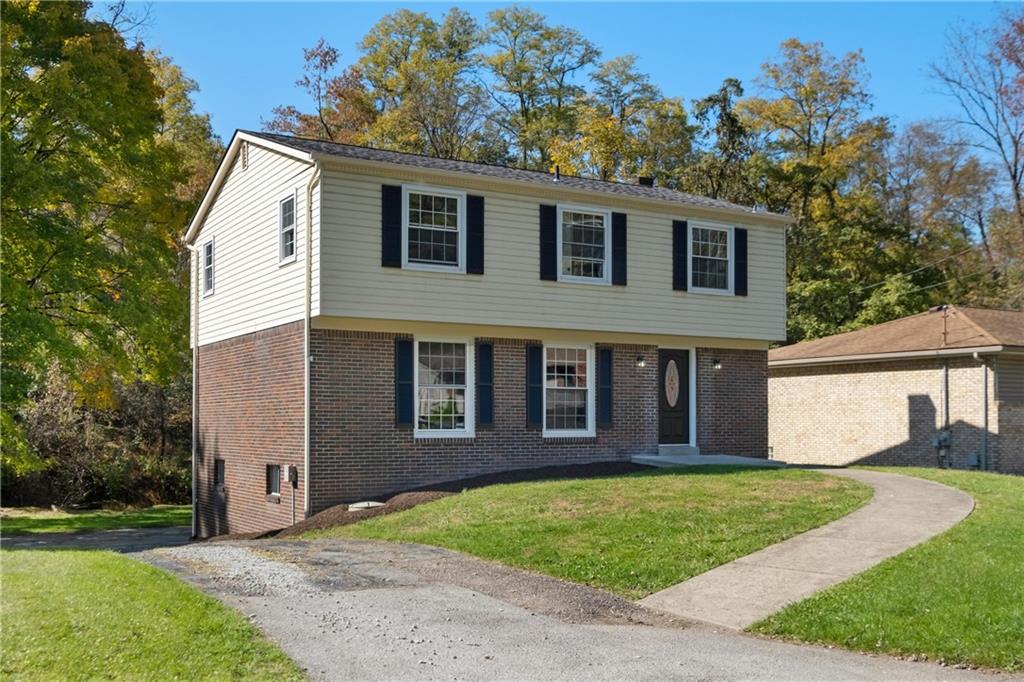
{"type": "Point", "coordinates": [716, 364]}
{"type": "Point", "coordinates": [640, 362]}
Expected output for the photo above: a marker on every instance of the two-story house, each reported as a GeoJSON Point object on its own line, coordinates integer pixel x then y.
{"type": "Point", "coordinates": [366, 321]}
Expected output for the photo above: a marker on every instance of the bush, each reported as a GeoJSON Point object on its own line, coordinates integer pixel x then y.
{"type": "Point", "coordinates": [130, 447]}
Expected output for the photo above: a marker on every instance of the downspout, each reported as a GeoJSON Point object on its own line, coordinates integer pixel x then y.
{"type": "Point", "coordinates": [194, 268]}
{"type": "Point", "coordinates": [983, 460]}
{"type": "Point", "coordinates": [306, 346]}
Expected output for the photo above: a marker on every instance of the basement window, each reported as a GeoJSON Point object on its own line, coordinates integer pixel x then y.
{"type": "Point", "coordinates": [218, 474]}
{"type": "Point", "coordinates": [274, 479]}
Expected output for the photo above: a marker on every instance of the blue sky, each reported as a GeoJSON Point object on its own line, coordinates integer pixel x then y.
{"type": "Point", "coordinates": [246, 56]}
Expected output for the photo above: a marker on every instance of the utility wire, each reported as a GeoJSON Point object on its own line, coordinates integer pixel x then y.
{"type": "Point", "coordinates": [914, 271]}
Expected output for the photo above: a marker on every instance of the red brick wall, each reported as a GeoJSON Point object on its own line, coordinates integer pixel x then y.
{"type": "Point", "coordinates": [357, 451]}
{"type": "Point", "coordinates": [732, 402]}
{"type": "Point", "coordinates": [250, 414]}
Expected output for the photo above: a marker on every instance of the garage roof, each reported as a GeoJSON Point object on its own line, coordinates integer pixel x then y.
{"type": "Point", "coordinates": [942, 330]}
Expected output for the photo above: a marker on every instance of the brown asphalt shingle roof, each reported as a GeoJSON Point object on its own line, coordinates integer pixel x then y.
{"type": "Point", "coordinates": [963, 328]}
{"type": "Point", "coordinates": [323, 147]}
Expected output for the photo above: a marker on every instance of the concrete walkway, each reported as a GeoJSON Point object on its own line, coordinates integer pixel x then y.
{"type": "Point", "coordinates": [904, 512]}
{"type": "Point", "coordinates": [669, 461]}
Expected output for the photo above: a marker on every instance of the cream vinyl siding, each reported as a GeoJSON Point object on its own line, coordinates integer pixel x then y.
{"type": "Point", "coordinates": [511, 293]}
{"type": "Point", "coordinates": [253, 289]}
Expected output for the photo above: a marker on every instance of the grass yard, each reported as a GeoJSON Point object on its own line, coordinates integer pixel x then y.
{"type": "Point", "coordinates": [632, 534]}
{"type": "Point", "coordinates": [24, 520]}
{"type": "Point", "coordinates": [91, 614]}
{"type": "Point", "coordinates": [958, 598]}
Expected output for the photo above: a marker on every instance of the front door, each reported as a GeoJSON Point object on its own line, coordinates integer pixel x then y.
{"type": "Point", "coordinates": [673, 396]}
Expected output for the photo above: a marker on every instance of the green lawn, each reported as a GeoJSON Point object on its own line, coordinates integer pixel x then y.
{"type": "Point", "coordinates": [91, 614]}
{"type": "Point", "coordinates": [19, 521]}
{"type": "Point", "coordinates": [958, 598]}
{"type": "Point", "coordinates": [632, 534]}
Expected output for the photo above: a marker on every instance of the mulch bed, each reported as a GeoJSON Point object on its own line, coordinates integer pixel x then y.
{"type": "Point", "coordinates": [340, 515]}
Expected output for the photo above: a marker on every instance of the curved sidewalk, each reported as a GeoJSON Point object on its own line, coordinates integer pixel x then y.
{"type": "Point", "coordinates": [904, 512]}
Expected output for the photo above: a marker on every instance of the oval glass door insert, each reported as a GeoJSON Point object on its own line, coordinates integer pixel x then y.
{"type": "Point", "coordinates": [672, 383]}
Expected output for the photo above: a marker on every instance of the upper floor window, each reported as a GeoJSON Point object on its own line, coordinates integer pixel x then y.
{"type": "Point", "coordinates": [207, 269]}
{"type": "Point", "coordinates": [711, 259]}
{"type": "Point", "coordinates": [568, 392]}
{"type": "Point", "coordinates": [584, 246]}
{"type": "Point", "coordinates": [286, 229]}
{"type": "Point", "coordinates": [444, 396]}
{"type": "Point", "coordinates": [434, 229]}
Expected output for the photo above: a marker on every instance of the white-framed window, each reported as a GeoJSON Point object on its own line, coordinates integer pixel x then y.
{"type": "Point", "coordinates": [710, 251]}
{"type": "Point", "coordinates": [286, 229]}
{"type": "Point", "coordinates": [584, 244]}
{"type": "Point", "coordinates": [433, 229]}
{"type": "Point", "coordinates": [569, 396]}
{"type": "Point", "coordinates": [207, 268]}
{"type": "Point", "coordinates": [444, 388]}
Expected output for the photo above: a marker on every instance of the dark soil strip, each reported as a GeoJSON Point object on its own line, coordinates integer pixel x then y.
{"type": "Point", "coordinates": [340, 515]}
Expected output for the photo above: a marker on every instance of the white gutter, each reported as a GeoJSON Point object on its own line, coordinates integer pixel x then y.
{"type": "Point", "coordinates": [885, 357]}
{"type": "Point", "coordinates": [308, 299]}
{"type": "Point", "coordinates": [194, 284]}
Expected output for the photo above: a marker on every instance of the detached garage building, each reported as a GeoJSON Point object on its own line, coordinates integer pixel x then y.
{"type": "Point", "coordinates": [942, 388]}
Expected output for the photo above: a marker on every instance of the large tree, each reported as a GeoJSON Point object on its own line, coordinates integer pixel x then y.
{"type": "Point", "coordinates": [102, 160]}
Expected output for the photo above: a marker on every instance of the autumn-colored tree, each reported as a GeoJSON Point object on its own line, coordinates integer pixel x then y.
{"type": "Point", "coordinates": [344, 110]}
{"type": "Point", "coordinates": [102, 161]}
{"type": "Point", "coordinates": [533, 67]}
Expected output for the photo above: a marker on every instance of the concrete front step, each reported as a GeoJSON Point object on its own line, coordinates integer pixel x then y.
{"type": "Point", "coordinates": [698, 460]}
{"type": "Point", "coordinates": [678, 450]}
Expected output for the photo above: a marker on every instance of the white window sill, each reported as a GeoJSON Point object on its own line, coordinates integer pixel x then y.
{"type": "Point", "coordinates": [440, 435]}
{"type": "Point", "coordinates": [713, 292]}
{"type": "Point", "coordinates": [593, 281]}
{"type": "Point", "coordinates": [207, 294]}
{"type": "Point", "coordinates": [427, 267]}
{"type": "Point", "coordinates": [286, 261]}
{"type": "Point", "coordinates": [563, 435]}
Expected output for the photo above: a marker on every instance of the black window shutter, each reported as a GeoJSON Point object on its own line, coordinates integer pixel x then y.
{"type": "Point", "coordinates": [740, 268]}
{"type": "Point", "coordinates": [485, 383]}
{"type": "Point", "coordinates": [548, 243]}
{"type": "Point", "coordinates": [403, 383]}
{"type": "Point", "coordinates": [534, 386]}
{"type": "Point", "coordinates": [679, 237]}
{"type": "Point", "coordinates": [604, 387]}
{"type": "Point", "coordinates": [474, 235]}
{"type": "Point", "coordinates": [619, 248]}
{"type": "Point", "coordinates": [391, 226]}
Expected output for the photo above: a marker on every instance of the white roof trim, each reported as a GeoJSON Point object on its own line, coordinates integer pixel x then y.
{"type": "Point", "coordinates": [195, 225]}
{"type": "Point", "coordinates": [884, 357]}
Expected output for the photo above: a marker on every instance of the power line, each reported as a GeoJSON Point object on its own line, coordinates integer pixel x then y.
{"type": "Point", "coordinates": [918, 269]}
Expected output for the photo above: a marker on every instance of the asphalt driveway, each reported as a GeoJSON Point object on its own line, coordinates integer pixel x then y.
{"type": "Point", "coordinates": [352, 609]}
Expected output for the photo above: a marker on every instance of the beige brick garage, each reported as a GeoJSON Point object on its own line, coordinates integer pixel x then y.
{"type": "Point", "coordinates": [943, 388]}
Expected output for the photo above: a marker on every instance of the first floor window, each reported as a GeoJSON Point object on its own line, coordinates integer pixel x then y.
{"type": "Point", "coordinates": [443, 393]}
{"type": "Point", "coordinates": [434, 226]}
{"type": "Point", "coordinates": [218, 474]}
{"type": "Point", "coordinates": [584, 245]}
{"type": "Point", "coordinates": [286, 228]}
{"type": "Point", "coordinates": [208, 267]}
{"type": "Point", "coordinates": [273, 479]}
{"type": "Point", "coordinates": [567, 387]}
{"type": "Point", "coordinates": [709, 256]}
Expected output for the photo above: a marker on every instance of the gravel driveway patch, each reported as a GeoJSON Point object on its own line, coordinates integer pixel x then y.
{"type": "Point", "coordinates": [368, 610]}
